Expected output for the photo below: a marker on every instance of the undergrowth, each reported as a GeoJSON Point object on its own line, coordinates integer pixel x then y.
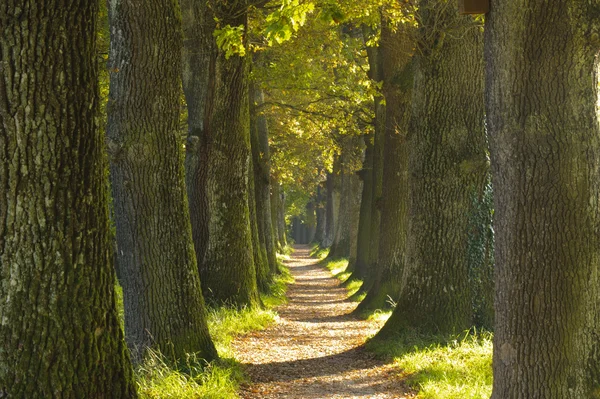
{"type": "Point", "coordinates": [193, 378]}
{"type": "Point", "coordinates": [442, 368]}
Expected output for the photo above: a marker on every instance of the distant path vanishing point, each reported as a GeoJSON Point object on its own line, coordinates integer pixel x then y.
{"type": "Point", "coordinates": [314, 351]}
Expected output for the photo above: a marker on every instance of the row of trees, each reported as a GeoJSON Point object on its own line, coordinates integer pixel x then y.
{"type": "Point", "coordinates": [394, 106]}
{"type": "Point", "coordinates": [522, 98]}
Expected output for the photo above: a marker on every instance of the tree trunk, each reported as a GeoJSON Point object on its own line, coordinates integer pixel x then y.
{"type": "Point", "coordinates": [229, 274]}
{"type": "Point", "coordinates": [346, 231]}
{"type": "Point", "coordinates": [274, 212]}
{"type": "Point", "coordinates": [363, 244]}
{"type": "Point", "coordinates": [447, 166]}
{"type": "Point", "coordinates": [198, 48]}
{"type": "Point", "coordinates": [396, 53]}
{"type": "Point", "coordinates": [261, 264]}
{"type": "Point", "coordinates": [163, 301]}
{"type": "Point", "coordinates": [60, 332]}
{"type": "Point", "coordinates": [545, 139]}
{"type": "Point", "coordinates": [320, 216]}
{"type": "Point", "coordinates": [262, 178]}
{"type": "Point", "coordinates": [281, 227]}
{"type": "Point", "coordinates": [329, 212]}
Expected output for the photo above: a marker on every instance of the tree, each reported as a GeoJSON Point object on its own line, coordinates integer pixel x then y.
{"type": "Point", "coordinates": [229, 273]}
{"type": "Point", "coordinates": [447, 165]}
{"type": "Point", "coordinates": [541, 98]}
{"type": "Point", "coordinates": [398, 68]}
{"type": "Point", "coordinates": [261, 159]}
{"type": "Point", "coordinates": [60, 331]}
{"type": "Point", "coordinates": [164, 307]}
{"type": "Point", "coordinates": [198, 48]}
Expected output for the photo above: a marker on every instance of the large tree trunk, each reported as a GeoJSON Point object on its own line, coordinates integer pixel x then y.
{"type": "Point", "coordinates": [542, 98]}
{"type": "Point", "coordinates": [350, 188]}
{"type": "Point", "coordinates": [261, 264]}
{"type": "Point", "coordinates": [320, 216]}
{"type": "Point", "coordinates": [447, 165]}
{"type": "Point", "coordinates": [164, 307]}
{"type": "Point", "coordinates": [363, 243]}
{"type": "Point", "coordinates": [396, 53]}
{"type": "Point", "coordinates": [60, 333]}
{"type": "Point", "coordinates": [228, 273]}
{"type": "Point", "coordinates": [198, 48]}
{"type": "Point", "coordinates": [329, 212]}
{"type": "Point", "coordinates": [262, 177]}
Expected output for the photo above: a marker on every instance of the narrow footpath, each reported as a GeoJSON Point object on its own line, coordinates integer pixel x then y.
{"type": "Point", "coordinates": [314, 351]}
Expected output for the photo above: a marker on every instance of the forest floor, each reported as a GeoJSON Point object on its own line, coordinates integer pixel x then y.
{"type": "Point", "coordinates": [315, 350]}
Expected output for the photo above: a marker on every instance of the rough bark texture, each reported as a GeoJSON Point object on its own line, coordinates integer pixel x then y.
{"type": "Point", "coordinates": [375, 56]}
{"type": "Point", "coordinates": [447, 163]}
{"type": "Point", "coordinates": [363, 243]}
{"type": "Point", "coordinates": [320, 216]}
{"type": "Point", "coordinates": [228, 273]}
{"type": "Point", "coordinates": [329, 213]}
{"type": "Point", "coordinates": [163, 301]}
{"type": "Point", "coordinates": [396, 49]}
{"type": "Point", "coordinates": [542, 98]}
{"type": "Point", "coordinates": [59, 329]}
{"type": "Point", "coordinates": [350, 188]}
{"type": "Point", "coordinates": [259, 251]}
{"type": "Point", "coordinates": [274, 197]}
{"type": "Point", "coordinates": [262, 177]}
{"type": "Point", "coordinates": [198, 48]}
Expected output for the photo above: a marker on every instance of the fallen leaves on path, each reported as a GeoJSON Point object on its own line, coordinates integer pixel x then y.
{"type": "Point", "coordinates": [314, 351]}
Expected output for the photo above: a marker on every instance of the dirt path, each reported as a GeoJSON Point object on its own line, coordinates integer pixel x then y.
{"type": "Point", "coordinates": [314, 350]}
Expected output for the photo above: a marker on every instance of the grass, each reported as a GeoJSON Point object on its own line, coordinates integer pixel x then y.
{"type": "Point", "coordinates": [441, 368]}
{"type": "Point", "coordinates": [194, 378]}
{"type": "Point", "coordinates": [338, 267]}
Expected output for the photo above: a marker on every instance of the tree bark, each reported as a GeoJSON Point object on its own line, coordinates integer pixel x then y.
{"type": "Point", "coordinates": [261, 264]}
{"type": "Point", "coordinates": [163, 301]}
{"type": "Point", "coordinates": [59, 330]}
{"type": "Point", "coordinates": [363, 244]}
{"type": "Point", "coordinates": [198, 48]}
{"type": "Point", "coordinates": [229, 274]}
{"type": "Point", "coordinates": [329, 212]}
{"type": "Point", "coordinates": [346, 231]}
{"type": "Point", "coordinates": [542, 93]}
{"type": "Point", "coordinates": [447, 166]}
{"type": "Point", "coordinates": [262, 178]}
{"type": "Point", "coordinates": [320, 216]}
{"type": "Point", "coordinates": [398, 69]}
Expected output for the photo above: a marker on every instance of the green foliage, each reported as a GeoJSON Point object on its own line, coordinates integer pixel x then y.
{"type": "Point", "coordinates": [290, 16]}
{"type": "Point", "coordinates": [442, 367]}
{"type": "Point", "coordinates": [230, 39]}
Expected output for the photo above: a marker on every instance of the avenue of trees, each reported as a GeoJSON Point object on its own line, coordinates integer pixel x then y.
{"type": "Point", "coordinates": [174, 147]}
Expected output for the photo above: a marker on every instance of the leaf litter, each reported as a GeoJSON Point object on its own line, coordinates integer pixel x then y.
{"type": "Point", "coordinates": [315, 349]}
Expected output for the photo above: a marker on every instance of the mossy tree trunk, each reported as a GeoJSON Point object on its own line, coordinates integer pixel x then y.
{"type": "Point", "coordinates": [262, 177]}
{"type": "Point", "coordinates": [229, 273]}
{"type": "Point", "coordinates": [363, 243]}
{"type": "Point", "coordinates": [447, 163]}
{"type": "Point", "coordinates": [329, 212]}
{"type": "Point", "coordinates": [198, 48]}
{"type": "Point", "coordinates": [60, 332]}
{"type": "Point", "coordinates": [164, 308]}
{"type": "Point", "coordinates": [350, 188]}
{"type": "Point", "coordinates": [396, 53]}
{"type": "Point", "coordinates": [320, 216]}
{"type": "Point", "coordinates": [261, 264]}
{"type": "Point", "coordinates": [542, 93]}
